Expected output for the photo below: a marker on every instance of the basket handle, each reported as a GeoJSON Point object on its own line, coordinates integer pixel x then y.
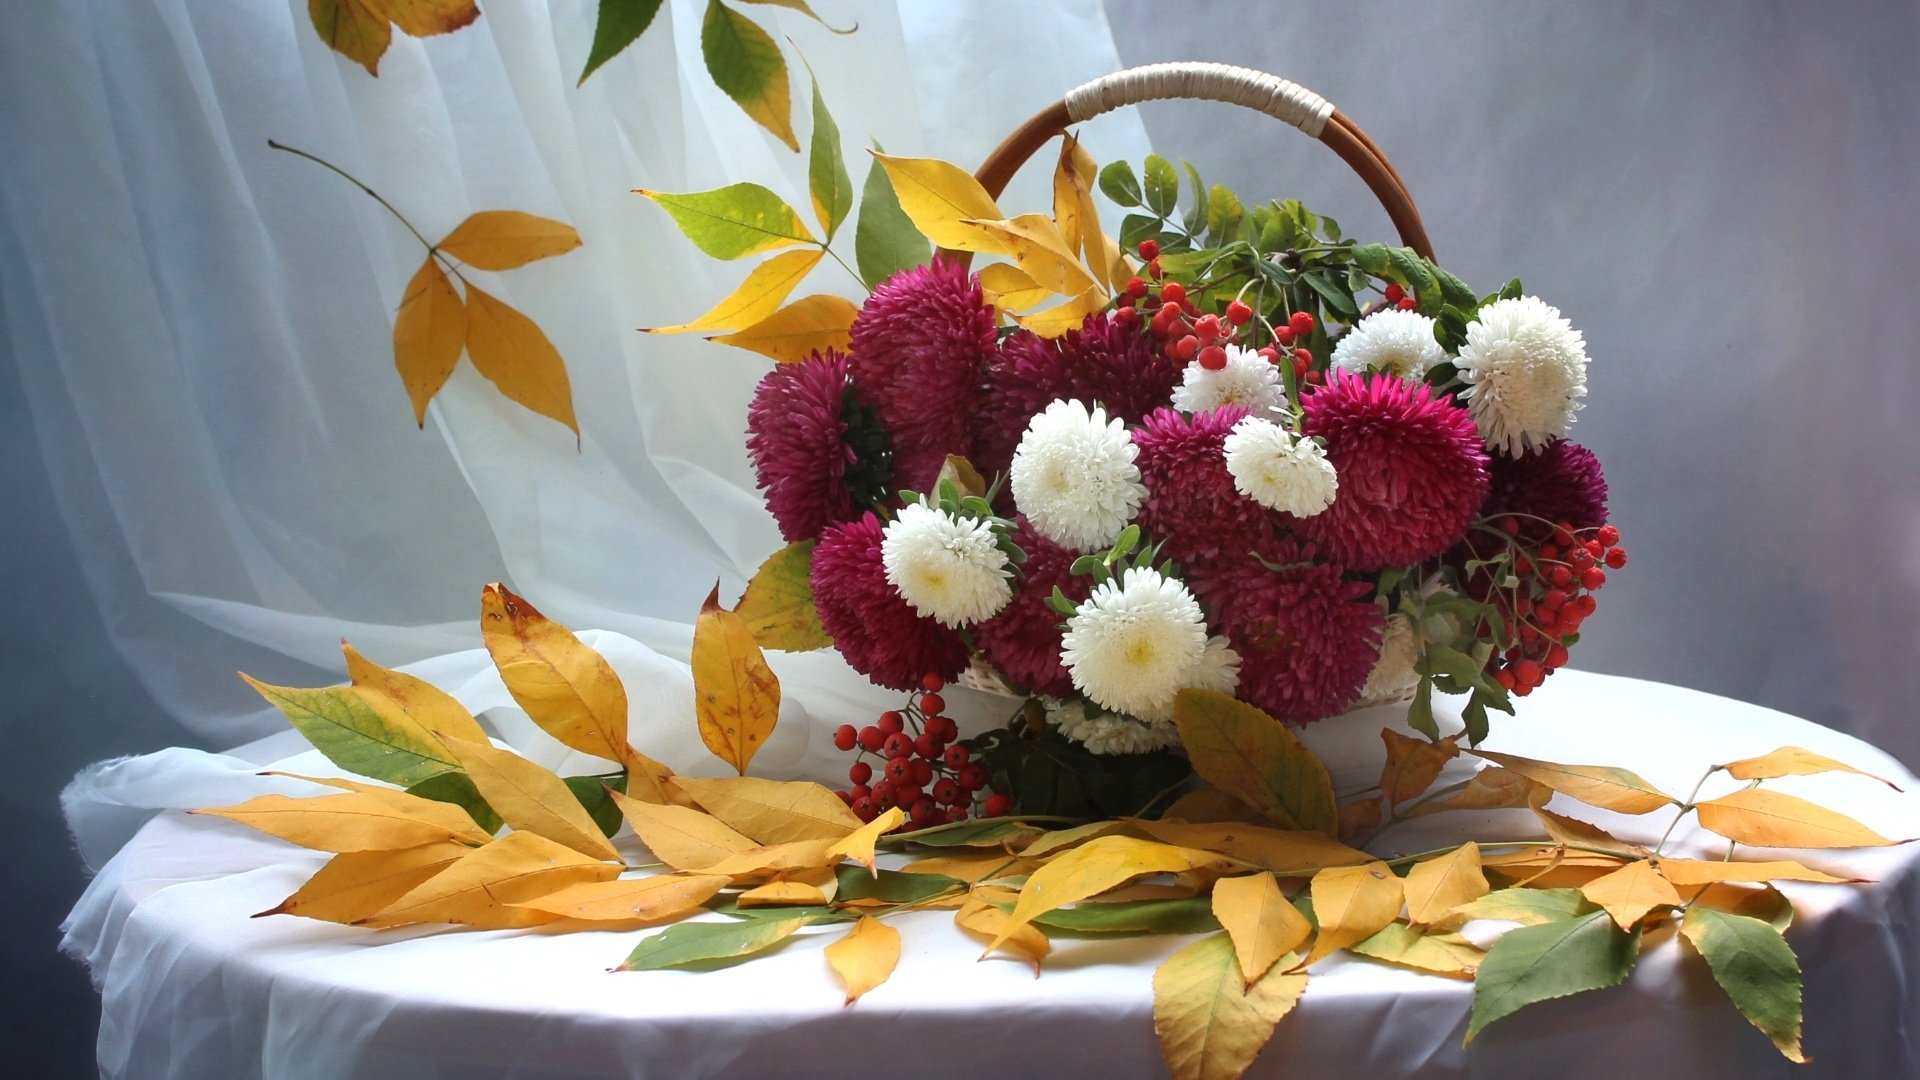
{"type": "Point", "coordinates": [1257, 90]}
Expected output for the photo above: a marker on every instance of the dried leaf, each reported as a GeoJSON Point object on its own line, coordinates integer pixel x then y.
{"type": "Point", "coordinates": [1437, 954]}
{"type": "Point", "coordinates": [505, 239]}
{"type": "Point", "coordinates": [630, 901]}
{"type": "Point", "coordinates": [355, 884]}
{"type": "Point", "coordinates": [940, 198]}
{"type": "Point", "coordinates": [772, 811]}
{"type": "Point", "coordinates": [1073, 208]}
{"type": "Point", "coordinates": [1436, 886]}
{"type": "Point", "coordinates": [1263, 925]}
{"type": "Point", "coordinates": [1269, 849]}
{"type": "Point", "coordinates": [1062, 839]}
{"type": "Point", "coordinates": [1765, 903]}
{"type": "Point", "coordinates": [745, 62]}
{"type": "Point", "coordinates": [759, 296]}
{"type": "Point", "coordinates": [1793, 761]}
{"type": "Point", "coordinates": [682, 838]}
{"type": "Point", "coordinates": [1246, 753]}
{"type": "Point", "coordinates": [1538, 963]}
{"type": "Point", "coordinates": [1211, 1024]}
{"type": "Point", "coordinates": [1353, 903]}
{"type": "Point", "coordinates": [789, 890]}
{"type": "Point", "coordinates": [1412, 764]}
{"type": "Point", "coordinates": [353, 733]}
{"type": "Point", "coordinates": [1491, 788]}
{"type": "Point", "coordinates": [865, 957]}
{"type": "Point", "coordinates": [733, 221]}
{"type": "Point", "coordinates": [1619, 790]}
{"type": "Point", "coordinates": [512, 352]}
{"type": "Point", "coordinates": [529, 797]}
{"type": "Point", "coordinates": [808, 325]}
{"type": "Point", "coordinates": [972, 869]}
{"type": "Point", "coordinates": [482, 888]}
{"type": "Point", "coordinates": [1097, 866]}
{"type": "Point", "coordinates": [709, 943]}
{"type": "Point", "coordinates": [376, 820]}
{"type": "Point", "coordinates": [736, 695]}
{"type": "Point", "coordinates": [857, 846]}
{"type": "Point", "coordinates": [649, 781]}
{"type": "Point", "coordinates": [1632, 892]}
{"type": "Point", "coordinates": [1191, 915]}
{"type": "Point", "coordinates": [993, 924]}
{"type": "Point", "coordinates": [565, 687]}
{"type": "Point", "coordinates": [1771, 819]}
{"type": "Point", "coordinates": [424, 18]}
{"type": "Point", "coordinates": [1575, 832]}
{"type": "Point", "coordinates": [1757, 969]}
{"type": "Point", "coordinates": [1359, 816]}
{"type": "Point", "coordinates": [1702, 872]}
{"type": "Point", "coordinates": [429, 333]}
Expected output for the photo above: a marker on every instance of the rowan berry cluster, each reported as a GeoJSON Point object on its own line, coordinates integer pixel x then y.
{"type": "Point", "coordinates": [1188, 336]}
{"type": "Point", "coordinates": [909, 758]}
{"type": "Point", "coordinates": [1551, 595]}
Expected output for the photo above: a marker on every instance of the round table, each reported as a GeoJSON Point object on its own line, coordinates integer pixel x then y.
{"type": "Point", "coordinates": [193, 987]}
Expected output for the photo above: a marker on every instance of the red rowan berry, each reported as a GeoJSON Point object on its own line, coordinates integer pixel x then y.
{"type": "Point", "coordinates": [973, 777]}
{"type": "Point", "coordinates": [899, 770]}
{"type": "Point", "coordinates": [898, 744]}
{"type": "Point", "coordinates": [997, 806]}
{"type": "Point", "coordinates": [931, 703]}
{"type": "Point", "coordinates": [922, 772]}
{"type": "Point", "coordinates": [891, 722]}
{"type": "Point", "coordinates": [947, 792]}
{"type": "Point", "coordinates": [1395, 293]}
{"type": "Point", "coordinates": [1238, 313]}
{"type": "Point", "coordinates": [1173, 293]}
{"type": "Point", "coordinates": [957, 757]}
{"type": "Point", "coordinates": [860, 772]}
{"type": "Point", "coordinates": [1410, 304]}
{"type": "Point", "coordinates": [1593, 577]}
{"type": "Point", "coordinates": [1301, 323]}
{"type": "Point", "coordinates": [1213, 358]}
{"type": "Point", "coordinates": [1617, 557]}
{"type": "Point", "coordinates": [844, 737]}
{"type": "Point", "coordinates": [1608, 535]}
{"type": "Point", "coordinates": [872, 738]}
{"type": "Point", "coordinates": [1284, 336]}
{"type": "Point", "coordinates": [1149, 249]}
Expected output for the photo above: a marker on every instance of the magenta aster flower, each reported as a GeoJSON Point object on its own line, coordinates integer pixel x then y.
{"type": "Point", "coordinates": [1562, 482]}
{"type": "Point", "coordinates": [1023, 641]}
{"type": "Point", "coordinates": [1307, 637]}
{"type": "Point", "coordinates": [920, 350]}
{"type": "Point", "coordinates": [1192, 503]}
{"type": "Point", "coordinates": [817, 450]}
{"type": "Point", "coordinates": [1103, 363]}
{"type": "Point", "coordinates": [1412, 469]}
{"type": "Point", "coordinates": [877, 632]}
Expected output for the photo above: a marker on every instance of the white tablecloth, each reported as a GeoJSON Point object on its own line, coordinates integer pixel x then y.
{"type": "Point", "coordinates": [194, 988]}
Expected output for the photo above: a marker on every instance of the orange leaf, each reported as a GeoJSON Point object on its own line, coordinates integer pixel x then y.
{"type": "Point", "coordinates": [808, 325]}
{"type": "Point", "coordinates": [1609, 788]}
{"type": "Point", "coordinates": [648, 780]}
{"type": "Point", "coordinates": [482, 887]}
{"type": "Point", "coordinates": [355, 884]}
{"type": "Point", "coordinates": [683, 838]}
{"type": "Point", "coordinates": [775, 858]}
{"type": "Point", "coordinates": [858, 845]}
{"type": "Point", "coordinates": [1704, 871]}
{"type": "Point", "coordinates": [1491, 788]}
{"type": "Point", "coordinates": [353, 29]}
{"type": "Point", "coordinates": [511, 351]}
{"type": "Point", "coordinates": [504, 239]}
{"type": "Point", "coordinates": [1631, 892]}
{"type": "Point", "coordinates": [565, 687]}
{"type": "Point", "coordinates": [424, 18]}
{"type": "Point", "coordinates": [1412, 764]}
{"type": "Point", "coordinates": [427, 706]}
{"type": "Point", "coordinates": [1263, 925]}
{"type": "Point", "coordinates": [1209, 805]}
{"type": "Point", "coordinates": [529, 797]}
{"type": "Point", "coordinates": [736, 696]}
{"type": "Point", "coordinates": [812, 887]}
{"type": "Point", "coordinates": [1358, 816]}
{"type": "Point", "coordinates": [1770, 819]}
{"type": "Point", "coordinates": [1353, 903]}
{"type": "Point", "coordinates": [630, 901]}
{"type": "Point", "coordinates": [371, 820]}
{"type": "Point", "coordinates": [865, 957]}
{"type": "Point", "coordinates": [1793, 761]}
{"type": "Point", "coordinates": [428, 335]}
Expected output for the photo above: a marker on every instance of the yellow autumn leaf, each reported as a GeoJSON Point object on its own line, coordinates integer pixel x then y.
{"type": "Point", "coordinates": [972, 869]}
{"type": "Point", "coordinates": [1630, 893]}
{"type": "Point", "coordinates": [992, 924]}
{"type": "Point", "coordinates": [1577, 833]}
{"type": "Point", "coordinates": [1771, 819]}
{"type": "Point", "coordinates": [1073, 208]}
{"type": "Point", "coordinates": [857, 846]}
{"type": "Point", "coordinates": [565, 687]}
{"type": "Point", "coordinates": [865, 957]}
{"type": "Point", "coordinates": [353, 29]}
{"type": "Point", "coordinates": [939, 198]}
{"type": "Point", "coordinates": [630, 901]}
{"type": "Point", "coordinates": [1009, 288]}
{"type": "Point", "coordinates": [396, 694]}
{"type": "Point", "coordinates": [504, 239]}
{"type": "Point", "coordinates": [1097, 866]}
{"type": "Point", "coordinates": [1412, 764]}
{"type": "Point", "coordinates": [1353, 903]}
{"type": "Point", "coordinates": [1606, 787]}
{"type": "Point", "coordinates": [424, 18]}
{"type": "Point", "coordinates": [683, 838]}
{"type": "Point", "coordinates": [1535, 858]}
{"type": "Point", "coordinates": [374, 820]}
{"type": "Point", "coordinates": [355, 884]}
{"type": "Point", "coordinates": [1062, 839]}
{"type": "Point", "coordinates": [1281, 850]}
{"type": "Point", "coordinates": [1793, 761]}
{"type": "Point", "coordinates": [1491, 788]}
{"type": "Point", "coordinates": [1208, 806]}
{"type": "Point", "coordinates": [736, 696]}
{"type": "Point", "coordinates": [1434, 887]}
{"type": "Point", "coordinates": [779, 858]}
{"type": "Point", "coordinates": [1060, 318]}
{"type": "Point", "coordinates": [759, 296]}
{"type": "Point", "coordinates": [483, 886]}
{"type": "Point", "coordinates": [1210, 1023]}
{"type": "Point", "coordinates": [515, 355]}
{"type": "Point", "coordinates": [429, 333]}
{"type": "Point", "coordinates": [1263, 925]}
{"type": "Point", "coordinates": [772, 811]}
{"type": "Point", "coordinates": [1704, 871]}
{"type": "Point", "coordinates": [1437, 954]}
{"type": "Point", "coordinates": [809, 325]}
{"type": "Point", "coordinates": [807, 887]}
{"type": "Point", "coordinates": [650, 781]}
{"type": "Point", "coordinates": [778, 602]}
{"type": "Point", "coordinates": [1035, 245]}
{"type": "Point", "coordinates": [529, 797]}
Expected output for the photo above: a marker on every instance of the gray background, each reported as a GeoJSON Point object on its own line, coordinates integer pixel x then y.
{"type": "Point", "coordinates": [1719, 194]}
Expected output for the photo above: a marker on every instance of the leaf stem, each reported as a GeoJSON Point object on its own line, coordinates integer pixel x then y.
{"type": "Point", "coordinates": [828, 248]}
{"type": "Point", "coordinates": [1030, 819]}
{"type": "Point", "coordinates": [433, 250]}
{"type": "Point", "coordinates": [1685, 809]}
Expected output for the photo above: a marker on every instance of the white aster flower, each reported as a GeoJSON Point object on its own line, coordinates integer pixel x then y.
{"type": "Point", "coordinates": [947, 568]}
{"type": "Point", "coordinates": [1103, 732]}
{"type": "Point", "coordinates": [1073, 476]}
{"type": "Point", "coordinates": [1248, 379]}
{"type": "Point", "coordinates": [1526, 370]}
{"type": "Point", "coordinates": [1400, 342]}
{"type": "Point", "coordinates": [1392, 677]}
{"type": "Point", "coordinates": [1278, 470]}
{"type": "Point", "coordinates": [1218, 668]}
{"type": "Point", "coordinates": [1132, 643]}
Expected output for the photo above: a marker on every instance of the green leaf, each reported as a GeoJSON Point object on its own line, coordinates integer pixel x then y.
{"type": "Point", "coordinates": [1452, 289]}
{"type": "Point", "coordinates": [1163, 186]}
{"type": "Point", "coordinates": [1754, 964]}
{"type": "Point", "coordinates": [1420, 711]}
{"type": "Point", "coordinates": [890, 886]}
{"type": "Point", "coordinates": [619, 24]}
{"type": "Point", "coordinates": [1530, 906]}
{"type": "Point", "coordinates": [778, 604]}
{"type": "Point", "coordinates": [457, 788]}
{"type": "Point", "coordinates": [1244, 752]}
{"type": "Point", "coordinates": [1539, 963]}
{"type": "Point", "coordinates": [734, 221]}
{"type": "Point", "coordinates": [592, 793]}
{"type": "Point", "coordinates": [1372, 258]}
{"type": "Point", "coordinates": [712, 944]}
{"type": "Point", "coordinates": [746, 63]}
{"type": "Point", "coordinates": [1331, 228]}
{"type": "Point", "coordinates": [1118, 183]}
{"type": "Point", "coordinates": [344, 726]}
{"type": "Point", "coordinates": [1512, 290]}
{"type": "Point", "coordinates": [1196, 218]}
{"type": "Point", "coordinates": [1224, 213]}
{"type": "Point", "coordinates": [1189, 916]}
{"type": "Point", "coordinates": [827, 180]}
{"type": "Point", "coordinates": [1411, 268]}
{"type": "Point", "coordinates": [885, 241]}
{"type": "Point", "coordinates": [1474, 717]}
{"type": "Point", "coordinates": [730, 907]}
{"type": "Point", "coordinates": [1336, 299]}
{"type": "Point", "coordinates": [1135, 228]}
{"type": "Point", "coordinates": [1442, 659]}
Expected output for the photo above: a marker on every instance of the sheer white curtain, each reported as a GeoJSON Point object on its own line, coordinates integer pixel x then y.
{"type": "Point", "coordinates": [203, 324]}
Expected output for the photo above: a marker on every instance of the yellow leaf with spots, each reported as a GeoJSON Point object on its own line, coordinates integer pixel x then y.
{"type": "Point", "coordinates": [483, 887]}
{"type": "Point", "coordinates": [1264, 926]}
{"type": "Point", "coordinates": [505, 239]}
{"type": "Point", "coordinates": [429, 333]}
{"type": "Point", "coordinates": [1353, 903]}
{"type": "Point", "coordinates": [736, 695]}
{"type": "Point", "coordinates": [1608, 788]}
{"type": "Point", "coordinates": [1099, 865]}
{"type": "Point", "coordinates": [1632, 892]}
{"type": "Point", "coordinates": [1210, 1022]}
{"type": "Point", "coordinates": [630, 901]}
{"type": "Point", "coordinates": [650, 781]}
{"type": "Point", "coordinates": [808, 325]}
{"type": "Point", "coordinates": [759, 296]}
{"type": "Point", "coordinates": [858, 844]}
{"type": "Point", "coordinates": [529, 797]}
{"type": "Point", "coordinates": [772, 811]}
{"type": "Point", "coordinates": [1771, 819]}
{"type": "Point", "coordinates": [940, 198]}
{"type": "Point", "coordinates": [355, 884]}
{"type": "Point", "coordinates": [786, 891]}
{"type": "Point", "coordinates": [778, 602]}
{"type": "Point", "coordinates": [515, 355]}
{"type": "Point", "coordinates": [991, 924]}
{"type": "Point", "coordinates": [1434, 887]}
{"type": "Point", "coordinates": [1794, 761]}
{"type": "Point", "coordinates": [371, 820]}
{"type": "Point", "coordinates": [565, 687]}
{"type": "Point", "coordinates": [865, 957]}
{"type": "Point", "coordinates": [683, 838]}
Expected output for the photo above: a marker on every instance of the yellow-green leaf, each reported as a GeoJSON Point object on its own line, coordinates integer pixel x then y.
{"type": "Point", "coordinates": [1210, 1023]}
{"type": "Point", "coordinates": [759, 296]}
{"type": "Point", "coordinates": [1412, 764]}
{"type": "Point", "coordinates": [353, 29]}
{"type": "Point", "coordinates": [746, 63]}
{"type": "Point", "coordinates": [1097, 866]}
{"type": "Point", "coordinates": [512, 352]}
{"type": "Point", "coordinates": [530, 798]}
{"type": "Point", "coordinates": [772, 811]}
{"type": "Point", "coordinates": [1529, 906]}
{"type": "Point", "coordinates": [504, 239]}
{"type": "Point", "coordinates": [865, 957]}
{"type": "Point", "coordinates": [736, 695]}
{"type": "Point", "coordinates": [681, 837]}
{"type": "Point", "coordinates": [809, 325]}
{"type": "Point", "coordinates": [709, 943]}
{"type": "Point", "coordinates": [1263, 925]}
{"type": "Point", "coordinates": [345, 725]}
{"type": "Point", "coordinates": [1793, 761]}
{"type": "Point", "coordinates": [392, 692]}
{"type": "Point", "coordinates": [355, 884]}
{"type": "Point", "coordinates": [1010, 288]}
{"type": "Point", "coordinates": [885, 240]}
{"type": "Point", "coordinates": [778, 604]}
{"type": "Point", "coordinates": [1352, 903]}
{"type": "Point", "coordinates": [1619, 790]}
{"type": "Point", "coordinates": [429, 334]}
{"type": "Point", "coordinates": [940, 198]}
{"type": "Point", "coordinates": [1771, 819]}
{"type": "Point", "coordinates": [1434, 887]}
{"type": "Point", "coordinates": [1631, 893]}
{"type": "Point", "coordinates": [631, 901]}
{"type": "Point", "coordinates": [733, 221]}
{"type": "Point", "coordinates": [1244, 752]}
{"type": "Point", "coordinates": [1754, 964]}
{"type": "Point", "coordinates": [484, 887]}
{"type": "Point", "coordinates": [565, 687]}
{"type": "Point", "coordinates": [355, 821]}
{"type": "Point", "coordinates": [1437, 954]}
{"type": "Point", "coordinates": [618, 24]}
{"type": "Point", "coordinates": [828, 184]}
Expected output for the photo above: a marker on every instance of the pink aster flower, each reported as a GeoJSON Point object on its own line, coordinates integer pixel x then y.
{"type": "Point", "coordinates": [1023, 641]}
{"type": "Point", "coordinates": [1192, 503]}
{"type": "Point", "coordinates": [1307, 636]}
{"type": "Point", "coordinates": [1562, 482]}
{"type": "Point", "coordinates": [803, 446]}
{"type": "Point", "coordinates": [1103, 363]}
{"type": "Point", "coordinates": [878, 632]}
{"type": "Point", "coordinates": [920, 350]}
{"type": "Point", "coordinates": [1413, 471]}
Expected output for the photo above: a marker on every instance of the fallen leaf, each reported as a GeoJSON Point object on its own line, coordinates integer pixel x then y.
{"type": "Point", "coordinates": [809, 325]}
{"type": "Point", "coordinates": [355, 884]}
{"type": "Point", "coordinates": [940, 198]}
{"type": "Point", "coordinates": [1263, 925]}
{"type": "Point", "coordinates": [1529, 906]}
{"type": "Point", "coordinates": [1279, 850]}
{"type": "Point", "coordinates": [353, 733]}
{"type": "Point", "coordinates": [1437, 954]}
{"type": "Point", "coordinates": [1436, 886]}
{"type": "Point", "coordinates": [1244, 752]}
{"type": "Point", "coordinates": [865, 957]}
{"type": "Point", "coordinates": [633, 901]}
{"type": "Point", "coordinates": [505, 239]}
{"type": "Point", "coordinates": [482, 887]}
{"type": "Point", "coordinates": [857, 846]}
{"type": "Point", "coordinates": [430, 708]}
{"type": "Point", "coordinates": [565, 687]}
{"type": "Point", "coordinates": [1352, 903]}
{"type": "Point", "coordinates": [1608, 788]}
{"type": "Point", "coordinates": [1765, 903]}
{"type": "Point", "coordinates": [1207, 806]}
{"type": "Point", "coordinates": [1412, 764]}
{"type": "Point", "coordinates": [1771, 819]}
{"type": "Point", "coordinates": [1553, 960]}
{"type": "Point", "coordinates": [1210, 1023]}
{"type": "Point", "coordinates": [1701, 872]}
{"type": "Point", "coordinates": [972, 869]}
{"type": "Point", "coordinates": [683, 838]}
{"type": "Point", "coordinates": [531, 798]}
{"type": "Point", "coordinates": [429, 333]}
{"type": "Point", "coordinates": [1491, 788]}
{"type": "Point", "coordinates": [1062, 839]}
{"type": "Point", "coordinates": [709, 943]}
{"type": "Point", "coordinates": [1359, 816]}
{"type": "Point", "coordinates": [1192, 915]}
{"type": "Point", "coordinates": [1630, 893]}
{"type": "Point", "coordinates": [650, 781]}
{"type": "Point", "coordinates": [736, 695]}
{"type": "Point", "coordinates": [772, 811]}
{"type": "Point", "coordinates": [1757, 969]}
{"type": "Point", "coordinates": [1575, 832]}
{"type": "Point", "coordinates": [992, 924]}
{"type": "Point", "coordinates": [775, 858]}
{"type": "Point", "coordinates": [1097, 866]}
{"type": "Point", "coordinates": [759, 296]}
{"type": "Point", "coordinates": [1793, 761]}
{"type": "Point", "coordinates": [357, 821]}
{"type": "Point", "coordinates": [782, 892]}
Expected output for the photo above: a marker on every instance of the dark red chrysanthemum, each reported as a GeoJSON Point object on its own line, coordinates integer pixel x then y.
{"type": "Point", "coordinates": [878, 633]}
{"type": "Point", "coordinates": [1023, 641]}
{"type": "Point", "coordinates": [1307, 637]}
{"type": "Point", "coordinates": [920, 350]}
{"type": "Point", "coordinates": [1103, 363]}
{"type": "Point", "coordinates": [1191, 502]}
{"type": "Point", "coordinates": [817, 451]}
{"type": "Point", "coordinates": [1559, 483]}
{"type": "Point", "coordinates": [1412, 470]}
